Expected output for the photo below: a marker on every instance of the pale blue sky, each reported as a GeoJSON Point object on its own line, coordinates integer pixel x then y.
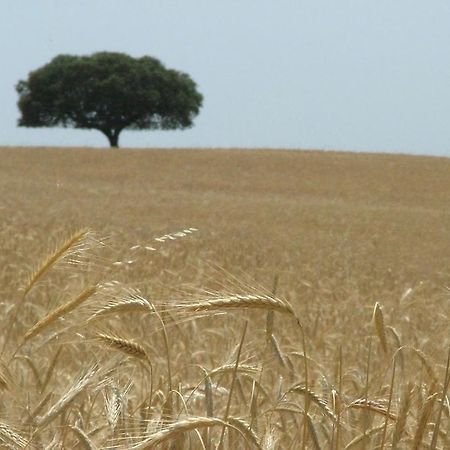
{"type": "Point", "coordinates": [369, 75]}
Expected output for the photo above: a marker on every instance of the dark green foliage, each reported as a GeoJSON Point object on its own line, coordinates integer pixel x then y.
{"type": "Point", "coordinates": [108, 92]}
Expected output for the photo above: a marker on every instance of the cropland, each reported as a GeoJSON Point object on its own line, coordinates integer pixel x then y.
{"type": "Point", "coordinates": [223, 299]}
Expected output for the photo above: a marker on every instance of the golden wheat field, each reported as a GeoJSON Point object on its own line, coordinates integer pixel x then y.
{"type": "Point", "coordinates": [223, 299]}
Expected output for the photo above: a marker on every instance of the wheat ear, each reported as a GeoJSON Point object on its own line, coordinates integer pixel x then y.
{"type": "Point", "coordinates": [64, 401]}
{"type": "Point", "coordinates": [423, 358]}
{"type": "Point", "coordinates": [11, 438]}
{"type": "Point", "coordinates": [237, 301]}
{"type": "Point", "coordinates": [372, 405]}
{"type": "Point", "coordinates": [314, 398]}
{"type": "Point", "coordinates": [380, 328]}
{"type": "Point", "coordinates": [5, 377]}
{"type": "Point", "coordinates": [123, 345]}
{"type": "Point", "coordinates": [60, 311]}
{"type": "Point", "coordinates": [243, 368]}
{"type": "Point", "coordinates": [133, 303]}
{"type": "Point", "coordinates": [51, 260]}
{"type": "Point", "coordinates": [230, 367]}
{"type": "Point", "coordinates": [113, 403]}
{"type": "Point", "coordinates": [58, 254]}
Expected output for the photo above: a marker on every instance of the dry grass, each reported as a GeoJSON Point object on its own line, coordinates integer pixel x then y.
{"type": "Point", "coordinates": [131, 337]}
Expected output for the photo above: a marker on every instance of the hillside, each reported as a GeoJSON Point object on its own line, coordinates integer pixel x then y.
{"type": "Point", "coordinates": [282, 290]}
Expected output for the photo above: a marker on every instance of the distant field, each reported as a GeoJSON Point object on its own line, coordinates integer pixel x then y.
{"type": "Point", "coordinates": [331, 233]}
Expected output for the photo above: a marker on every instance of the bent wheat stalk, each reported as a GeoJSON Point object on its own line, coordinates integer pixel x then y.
{"type": "Point", "coordinates": [194, 423]}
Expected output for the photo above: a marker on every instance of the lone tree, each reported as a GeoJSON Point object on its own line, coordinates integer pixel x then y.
{"type": "Point", "coordinates": [108, 92]}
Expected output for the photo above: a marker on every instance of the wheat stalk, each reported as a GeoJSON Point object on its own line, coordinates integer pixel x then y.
{"type": "Point", "coordinates": [277, 351]}
{"type": "Point", "coordinates": [83, 438]}
{"type": "Point", "coordinates": [405, 406]}
{"type": "Point", "coordinates": [442, 401]}
{"type": "Point", "coordinates": [423, 420]}
{"type": "Point", "coordinates": [363, 437]}
{"type": "Point", "coordinates": [312, 432]}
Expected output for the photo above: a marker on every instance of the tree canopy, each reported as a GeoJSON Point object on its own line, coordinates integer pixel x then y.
{"type": "Point", "coordinates": [108, 92]}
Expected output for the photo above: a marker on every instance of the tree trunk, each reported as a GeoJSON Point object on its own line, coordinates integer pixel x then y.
{"type": "Point", "coordinates": [113, 137]}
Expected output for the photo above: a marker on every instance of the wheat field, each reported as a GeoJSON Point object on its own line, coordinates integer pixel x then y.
{"type": "Point", "coordinates": [224, 299]}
